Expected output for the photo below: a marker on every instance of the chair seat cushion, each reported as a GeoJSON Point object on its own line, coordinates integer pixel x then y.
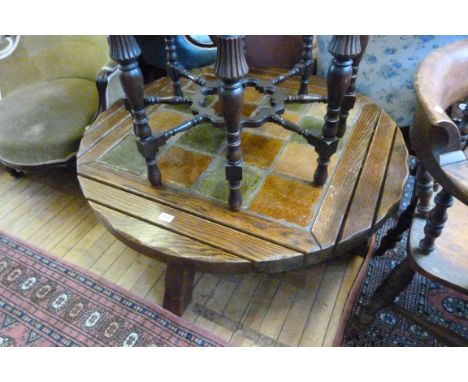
{"type": "Point", "coordinates": [44, 123]}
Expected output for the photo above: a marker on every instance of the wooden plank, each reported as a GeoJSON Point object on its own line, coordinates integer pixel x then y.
{"type": "Point", "coordinates": [366, 195]}
{"type": "Point", "coordinates": [46, 216]}
{"type": "Point", "coordinates": [352, 270]}
{"type": "Point", "coordinates": [302, 304]}
{"type": "Point", "coordinates": [331, 215]}
{"type": "Point", "coordinates": [256, 313]}
{"type": "Point", "coordinates": [120, 265]}
{"type": "Point", "coordinates": [292, 238]}
{"type": "Point", "coordinates": [238, 305]}
{"type": "Point", "coordinates": [148, 278]}
{"type": "Point", "coordinates": [202, 292]}
{"type": "Point", "coordinates": [90, 255]}
{"type": "Point", "coordinates": [34, 207]}
{"type": "Point", "coordinates": [217, 302]}
{"type": "Point", "coordinates": [263, 254]}
{"type": "Point", "coordinates": [108, 258]}
{"type": "Point", "coordinates": [73, 237]}
{"type": "Point", "coordinates": [86, 242]}
{"type": "Point", "coordinates": [395, 180]}
{"type": "Point", "coordinates": [134, 272]}
{"type": "Point", "coordinates": [168, 246]}
{"type": "Point", "coordinates": [278, 310]}
{"type": "Point", "coordinates": [319, 318]}
{"type": "Point", "coordinates": [59, 221]}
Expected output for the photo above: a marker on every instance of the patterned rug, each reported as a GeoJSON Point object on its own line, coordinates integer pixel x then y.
{"type": "Point", "coordinates": [432, 302]}
{"type": "Point", "coordinates": [45, 302]}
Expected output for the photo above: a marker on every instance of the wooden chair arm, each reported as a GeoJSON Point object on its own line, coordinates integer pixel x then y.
{"type": "Point", "coordinates": [108, 74]}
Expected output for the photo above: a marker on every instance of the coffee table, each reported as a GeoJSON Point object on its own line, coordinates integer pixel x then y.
{"type": "Point", "coordinates": [286, 222]}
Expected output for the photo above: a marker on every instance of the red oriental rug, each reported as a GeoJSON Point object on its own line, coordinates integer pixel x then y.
{"type": "Point", "coordinates": [46, 302]}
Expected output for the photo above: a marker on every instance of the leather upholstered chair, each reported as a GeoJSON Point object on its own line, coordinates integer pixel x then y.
{"type": "Point", "coordinates": [52, 88]}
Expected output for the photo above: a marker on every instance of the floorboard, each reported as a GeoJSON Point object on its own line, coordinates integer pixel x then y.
{"type": "Point", "coordinates": [299, 308]}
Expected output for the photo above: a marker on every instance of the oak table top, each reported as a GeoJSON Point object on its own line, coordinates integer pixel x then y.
{"type": "Point", "coordinates": [285, 223]}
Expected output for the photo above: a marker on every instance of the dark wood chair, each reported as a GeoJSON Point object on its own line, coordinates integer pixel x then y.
{"type": "Point", "coordinates": [439, 254]}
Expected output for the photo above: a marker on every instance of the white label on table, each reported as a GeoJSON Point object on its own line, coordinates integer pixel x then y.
{"type": "Point", "coordinates": [165, 217]}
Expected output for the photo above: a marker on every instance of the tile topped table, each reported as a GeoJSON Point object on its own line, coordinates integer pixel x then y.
{"type": "Point", "coordinates": [286, 222]}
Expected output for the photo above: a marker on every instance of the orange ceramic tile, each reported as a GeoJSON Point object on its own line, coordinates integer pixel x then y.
{"type": "Point", "coordinates": [300, 161]}
{"type": "Point", "coordinates": [259, 150]}
{"type": "Point", "coordinates": [287, 199]}
{"type": "Point", "coordinates": [252, 96]}
{"type": "Point", "coordinates": [165, 119]}
{"type": "Point", "coordinates": [182, 168]}
{"type": "Point", "coordinates": [246, 111]}
{"type": "Point", "coordinates": [277, 131]}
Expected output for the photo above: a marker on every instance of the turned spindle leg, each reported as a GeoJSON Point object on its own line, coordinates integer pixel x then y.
{"type": "Point", "coordinates": [125, 51]}
{"type": "Point", "coordinates": [308, 64]}
{"type": "Point", "coordinates": [350, 96]}
{"type": "Point", "coordinates": [231, 67]}
{"type": "Point", "coordinates": [172, 65]}
{"type": "Point", "coordinates": [395, 234]}
{"type": "Point", "coordinates": [424, 188]}
{"type": "Point", "coordinates": [395, 283]}
{"type": "Point", "coordinates": [436, 221]}
{"type": "Point", "coordinates": [343, 49]}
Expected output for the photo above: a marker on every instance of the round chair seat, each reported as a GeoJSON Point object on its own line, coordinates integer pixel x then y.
{"type": "Point", "coordinates": [44, 123]}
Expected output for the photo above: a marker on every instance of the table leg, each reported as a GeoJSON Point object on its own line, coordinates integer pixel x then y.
{"type": "Point", "coordinates": [343, 50]}
{"type": "Point", "coordinates": [178, 288]}
{"type": "Point", "coordinates": [231, 67]}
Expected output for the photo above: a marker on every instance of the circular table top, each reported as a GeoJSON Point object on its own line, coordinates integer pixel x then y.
{"type": "Point", "coordinates": [285, 223]}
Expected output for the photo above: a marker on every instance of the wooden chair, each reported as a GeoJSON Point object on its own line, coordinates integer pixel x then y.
{"type": "Point", "coordinates": [440, 255]}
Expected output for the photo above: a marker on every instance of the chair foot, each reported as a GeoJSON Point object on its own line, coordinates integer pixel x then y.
{"type": "Point", "coordinates": [15, 173]}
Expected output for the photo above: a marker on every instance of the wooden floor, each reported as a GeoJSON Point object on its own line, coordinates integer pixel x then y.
{"type": "Point", "coordinates": [300, 308]}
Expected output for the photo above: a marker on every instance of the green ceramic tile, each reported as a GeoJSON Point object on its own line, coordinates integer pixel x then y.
{"type": "Point", "coordinates": [309, 123]}
{"type": "Point", "coordinates": [203, 137]}
{"type": "Point", "coordinates": [214, 183]}
{"type": "Point", "coordinates": [296, 107]}
{"type": "Point", "coordinates": [124, 156]}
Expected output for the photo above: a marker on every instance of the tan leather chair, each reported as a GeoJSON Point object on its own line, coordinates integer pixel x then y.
{"type": "Point", "coordinates": [439, 253]}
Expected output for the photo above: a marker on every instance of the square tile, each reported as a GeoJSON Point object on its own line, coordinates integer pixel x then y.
{"type": "Point", "coordinates": [182, 168]}
{"type": "Point", "coordinates": [215, 185]}
{"type": "Point", "coordinates": [251, 95]}
{"type": "Point", "coordinates": [125, 156]}
{"type": "Point", "coordinates": [166, 119]}
{"type": "Point", "coordinates": [259, 150]}
{"type": "Point", "coordinates": [300, 161]}
{"type": "Point", "coordinates": [317, 110]}
{"type": "Point", "coordinates": [276, 131]}
{"type": "Point", "coordinates": [203, 137]}
{"type": "Point", "coordinates": [309, 123]}
{"type": "Point", "coordinates": [287, 199]}
{"type": "Point", "coordinates": [247, 111]}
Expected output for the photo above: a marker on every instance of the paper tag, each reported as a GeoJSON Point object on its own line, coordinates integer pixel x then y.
{"type": "Point", "coordinates": [166, 217]}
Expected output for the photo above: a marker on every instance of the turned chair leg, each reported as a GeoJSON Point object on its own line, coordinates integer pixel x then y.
{"type": "Point", "coordinates": [172, 65]}
{"type": "Point", "coordinates": [350, 97]}
{"type": "Point", "coordinates": [343, 49]}
{"type": "Point", "coordinates": [125, 51]}
{"type": "Point", "coordinates": [231, 67]}
{"type": "Point", "coordinates": [436, 221]}
{"type": "Point", "coordinates": [395, 234]}
{"type": "Point", "coordinates": [396, 282]}
{"type": "Point", "coordinates": [308, 64]}
{"type": "Point", "coordinates": [15, 173]}
{"type": "Point", "coordinates": [424, 187]}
